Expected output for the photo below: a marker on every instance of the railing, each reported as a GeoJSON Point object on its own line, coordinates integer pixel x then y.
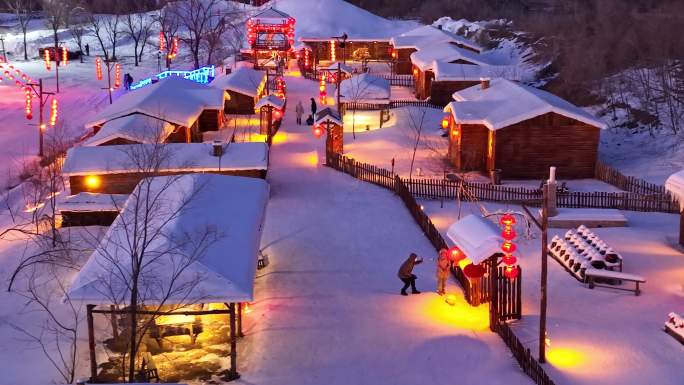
{"type": "Point", "coordinates": [201, 75]}
{"type": "Point", "coordinates": [612, 176]}
{"type": "Point", "coordinates": [398, 80]}
{"type": "Point", "coordinates": [414, 103]}
{"type": "Point", "coordinates": [527, 362]}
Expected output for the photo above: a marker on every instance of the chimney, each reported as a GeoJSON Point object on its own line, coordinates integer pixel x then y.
{"type": "Point", "coordinates": [484, 82]}
{"type": "Point", "coordinates": [217, 148]}
{"type": "Point", "coordinates": [439, 27]}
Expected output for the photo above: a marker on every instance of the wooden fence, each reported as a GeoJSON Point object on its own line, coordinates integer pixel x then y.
{"type": "Point", "coordinates": [414, 103]}
{"type": "Point", "coordinates": [447, 190]}
{"type": "Point", "coordinates": [527, 362]}
{"type": "Point", "coordinates": [612, 176]}
{"type": "Point", "coordinates": [398, 80]}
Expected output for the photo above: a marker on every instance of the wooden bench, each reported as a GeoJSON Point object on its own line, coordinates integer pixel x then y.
{"type": "Point", "coordinates": [591, 274]}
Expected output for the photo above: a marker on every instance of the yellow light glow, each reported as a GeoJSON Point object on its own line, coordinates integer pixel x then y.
{"type": "Point", "coordinates": [92, 182]}
{"type": "Point", "coordinates": [464, 262]}
{"type": "Point", "coordinates": [30, 208]}
{"type": "Point", "coordinates": [294, 73]}
{"type": "Point", "coordinates": [460, 315]}
{"type": "Point", "coordinates": [564, 357]}
{"type": "Point", "coordinates": [312, 159]}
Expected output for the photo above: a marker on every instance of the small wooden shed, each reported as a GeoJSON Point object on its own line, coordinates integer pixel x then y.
{"type": "Point", "coordinates": [521, 131]}
{"type": "Point", "coordinates": [675, 185]}
{"type": "Point", "coordinates": [243, 87]}
{"type": "Point", "coordinates": [271, 109]}
{"type": "Point", "coordinates": [355, 49]}
{"type": "Point", "coordinates": [330, 120]}
{"type": "Point", "coordinates": [366, 92]}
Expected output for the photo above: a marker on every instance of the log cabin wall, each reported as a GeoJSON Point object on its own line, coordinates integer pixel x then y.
{"type": "Point", "coordinates": [471, 151]}
{"type": "Point", "coordinates": [125, 183]}
{"type": "Point", "coordinates": [402, 63]}
{"type": "Point", "coordinates": [527, 149]}
{"type": "Point", "coordinates": [179, 135]}
{"type": "Point", "coordinates": [378, 50]}
{"type": "Point", "coordinates": [441, 91]}
{"type": "Point", "coordinates": [88, 218]}
{"type": "Point", "coordinates": [210, 120]}
{"type": "Point", "coordinates": [118, 141]}
{"type": "Point", "coordinates": [239, 104]}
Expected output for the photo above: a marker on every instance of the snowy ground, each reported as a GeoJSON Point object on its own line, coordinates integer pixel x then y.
{"type": "Point", "coordinates": [327, 309]}
{"type": "Point", "coordinates": [602, 336]}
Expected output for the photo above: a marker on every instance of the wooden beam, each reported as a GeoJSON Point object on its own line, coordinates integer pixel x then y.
{"type": "Point", "coordinates": [232, 373]}
{"type": "Point", "coordinates": [544, 274]}
{"type": "Point", "coordinates": [91, 343]}
{"type": "Point", "coordinates": [239, 320]}
{"type": "Point", "coordinates": [681, 229]}
{"type": "Point", "coordinates": [151, 312]}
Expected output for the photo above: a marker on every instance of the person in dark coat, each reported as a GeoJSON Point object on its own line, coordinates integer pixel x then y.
{"type": "Point", "coordinates": [87, 49]}
{"type": "Point", "coordinates": [310, 120]}
{"type": "Point", "coordinates": [313, 107]}
{"type": "Point", "coordinates": [406, 275]}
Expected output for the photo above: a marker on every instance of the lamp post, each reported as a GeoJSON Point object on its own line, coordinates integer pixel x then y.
{"type": "Point", "coordinates": [43, 97]}
{"type": "Point", "coordinates": [4, 53]}
{"type": "Point", "coordinates": [342, 43]}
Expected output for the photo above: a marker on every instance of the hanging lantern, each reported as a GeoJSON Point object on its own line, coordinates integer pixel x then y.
{"type": "Point", "coordinates": [507, 220]}
{"type": "Point", "coordinates": [508, 234]}
{"type": "Point", "coordinates": [162, 42]}
{"type": "Point", "coordinates": [415, 72]}
{"type": "Point", "coordinates": [333, 52]}
{"type": "Point", "coordinates": [98, 68]}
{"type": "Point", "coordinates": [117, 75]}
{"type": "Point", "coordinates": [47, 59]}
{"type": "Point", "coordinates": [29, 104]}
{"type": "Point", "coordinates": [509, 260]}
{"type": "Point", "coordinates": [456, 254]}
{"type": "Point", "coordinates": [65, 56]}
{"type": "Point", "coordinates": [318, 131]}
{"type": "Point", "coordinates": [53, 112]}
{"type": "Point", "coordinates": [445, 122]}
{"type": "Point", "coordinates": [511, 272]}
{"type": "Point", "coordinates": [508, 247]}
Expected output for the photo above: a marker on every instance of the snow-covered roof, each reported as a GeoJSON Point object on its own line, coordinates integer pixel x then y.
{"type": "Point", "coordinates": [270, 100]}
{"type": "Point", "coordinates": [427, 35]}
{"type": "Point", "coordinates": [477, 237]}
{"type": "Point", "coordinates": [136, 127]}
{"type": "Point", "coordinates": [445, 72]}
{"type": "Point", "coordinates": [445, 52]}
{"type": "Point", "coordinates": [244, 80]}
{"type": "Point", "coordinates": [328, 114]}
{"type": "Point", "coordinates": [232, 209]}
{"type": "Point", "coordinates": [88, 202]}
{"type": "Point", "coordinates": [271, 16]}
{"type": "Point", "coordinates": [365, 88]}
{"type": "Point", "coordinates": [173, 99]}
{"type": "Point", "coordinates": [333, 68]}
{"type": "Point", "coordinates": [173, 157]}
{"type": "Point", "coordinates": [506, 102]}
{"type": "Point", "coordinates": [675, 185]}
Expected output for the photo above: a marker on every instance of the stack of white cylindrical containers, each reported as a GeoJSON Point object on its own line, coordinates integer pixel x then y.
{"type": "Point", "coordinates": [580, 249]}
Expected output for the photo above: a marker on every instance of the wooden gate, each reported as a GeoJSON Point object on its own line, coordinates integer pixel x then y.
{"type": "Point", "coordinates": [506, 296]}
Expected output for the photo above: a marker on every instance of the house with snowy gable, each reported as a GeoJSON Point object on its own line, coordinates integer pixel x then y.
{"type": "Point", "coordinates": [172, 110]}
{"type": "Point", "coordinates": [243, 89]}
{"type": "Point", "coordinates": [520, 130]}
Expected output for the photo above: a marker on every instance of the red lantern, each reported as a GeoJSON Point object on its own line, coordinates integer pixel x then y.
{"type": "Point", "coordinates": [65, 56]}
{"type": "Point", "coordinates": [162, 42]}
{"type": "Point", "coordinates": [29, 104]}
{"type": "Point", "coordinates": [443, 253]}
{"type": "Point", "coordinates": [318, 131]}
{"type": "Point", "coordinates": [509, 260]}
{"type": "Point", "coordinates": [508, 234]}
{"type": "Point", "coordinates": [98, 68]}
{"type": "Point", "coordinates": [445, 122]}
{"type": "Point", "coordinates": [507, 220]}
{"type": "Point", "coordinates": [508, 247]}
{"type": "Point", "coordinates": [47, 59]}
{"type": "Point", "coordinates": [473, 271]}
{"type": "Point", "coordinates": [511, 272]}
{"type": "Point", "coordinates": [53, 112]}
{"type": "Point", "coordinates": [456, 254]}
{"type": "Point", "coordinates": [117, 75]}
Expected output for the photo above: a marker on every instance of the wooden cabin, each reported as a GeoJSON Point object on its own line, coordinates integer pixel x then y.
{"type": "Point", "coordinates": [522, 131]}
{"type": "Point", "coordinates": [118, 169]}
{"type": "Point", "coordinates": [405, 44]}
{"type": "Point", "coordinates": [172, 110]}
{"type": "Point", "coordinates": [424, 61]}
{"type": "Point", "coordinates": [675, 186]}
{"type": "Point", "coordinates": [244, 87]}
{"type": "Point", "coordinates": [444, 79]}
{"type": "Point", "coordinates": [366, 92]}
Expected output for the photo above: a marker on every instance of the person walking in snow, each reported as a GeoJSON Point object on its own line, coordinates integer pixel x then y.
{"type": "Point", "coordinates": [299, 110]}
{"type": "Point", "coordinates": [443, 267]}
{"type": "Point", "coordinates": [87, 48]}
{"type": "Point", "coordinates": [313, 107]}
{"type": "Point", "coordinates": [406, 275]}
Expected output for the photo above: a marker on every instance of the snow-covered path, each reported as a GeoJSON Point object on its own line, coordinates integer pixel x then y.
{"type": "Point", "coordinates": [328, 309]}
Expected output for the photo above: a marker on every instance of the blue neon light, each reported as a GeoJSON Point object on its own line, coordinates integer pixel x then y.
{"type": "Point", "coordinates": [201, 75]}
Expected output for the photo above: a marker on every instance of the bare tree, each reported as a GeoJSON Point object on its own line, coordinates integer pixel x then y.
{"type": "Point", "coordinates": [78, 19]}
{"type": "Point", "coordinates": [106, 29]}
{"type": "Point", "coordinates": [56, 16]}
{"type": "Point", "coordinates": [417, 117]}
{"type": "Point", "coordinates": [198, 17]}
{"type": "Point", "coordinates": [168, 25]}
{"type": "Point", "coordinates": [139, 29]}
{"type": "Point", "coordinates": [23, 11]}
{"type": "Point", "coordinates": [355, 90]}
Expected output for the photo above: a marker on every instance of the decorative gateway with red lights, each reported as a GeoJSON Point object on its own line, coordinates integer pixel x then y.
{"type": "Point", "coordinates": [478, 248]}
{"type": "Point", "coordinates": [271, 35]}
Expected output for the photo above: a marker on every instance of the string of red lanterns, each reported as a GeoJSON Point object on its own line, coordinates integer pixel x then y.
{"type": "Point", "coordinates": [162, 42]}
{"type": "Point", "coordinates": [323, 93]}
{"type": "Point", "coordinates": [65, 56]}
{"type": "Point", "coordinates": [98, 68]}
{"type": "Point", "coordinates": [117, 75]}
{"type": "Point", "coordinates": [173, 52]}
{"type": "Point", "coordinates": [333, 51]}
{"type": "Point", "coordinates": [511, 269]}
{"type": "Point", "coordinates": [29, 103]}
{"type": "Point", "coordinates": [47, 59]}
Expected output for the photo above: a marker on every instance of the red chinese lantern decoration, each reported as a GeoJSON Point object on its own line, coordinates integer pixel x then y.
{"type": "Point", "coordinates": [508, 247]}
{"type": "Point", "coordinates": [323, 93]}
{"type": "Point", "coordinates": [117, 75]}
{"type": "Point", "coordinates": [443, 253]}
{"type": "Point", "coordinates": [307, 61]}
{"type": "Point", "coordinates": [456, 254]}
{"type": "Point", "coordinates": [53, 112]}
{"type": "Point", "coordinates": [98, 68]}
{"type": "Point", "coordinates": [511, 272]}
{"type": "Point", "coordinates": [47, 59]}
{"type": "Point", "coordinates": [333, 51]}
{"type": "Point", "coordinates": [29, 103]}
{"type": "Point", "coordinates": [162, 42]}
{"type": "Point", "coordinates": [65, 56]}
{"type": "Point", "coordinates": [415, 72]}
{"type": "Point", "coordinates": [445, 122]}
{"type": "Point", "coordinates": [318, 131]}
{"type": "Point", "coordinates": [173, 51]}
